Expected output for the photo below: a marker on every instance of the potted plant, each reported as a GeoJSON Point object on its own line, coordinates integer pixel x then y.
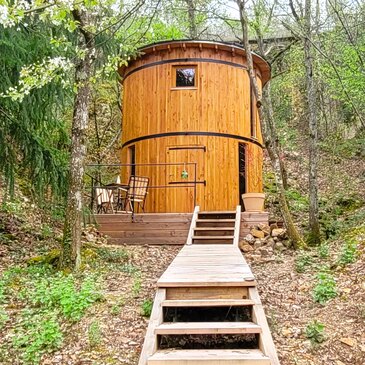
{"type": "Point", "coordinates": [253, 202]}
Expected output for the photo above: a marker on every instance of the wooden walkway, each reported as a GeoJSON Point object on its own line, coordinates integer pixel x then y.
{"type": "Point", "coordinates": [207, 265]}
{"type": "Point", "coordinates": [207, 309]}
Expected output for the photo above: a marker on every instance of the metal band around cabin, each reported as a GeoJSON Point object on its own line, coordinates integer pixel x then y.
{"type": "Point", "coordinates": [180, 60]}
{"type": "Point", "coordinates": [212, 134]}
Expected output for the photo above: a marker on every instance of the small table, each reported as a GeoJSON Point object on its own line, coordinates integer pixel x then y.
{"type": "Point", "coordinates": [120, 200]}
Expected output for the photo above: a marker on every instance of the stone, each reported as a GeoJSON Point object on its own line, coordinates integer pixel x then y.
{"type": "Point", "coordinates": [278, 232]}
{"type": "Point", "coordinates": [257, 244]}
{"type": "Point", "coordinates": [249, 238]}
{"type": "Point", "coordinates": [279, 246]}
{"type": "Point", "coordinates": [273, 226]}
{"type": "Point", "coordinates": [265, 251]}
{"type": "Point", "coordinates": [270, 242]}
{"type": "Point", "coordinates": [348, 341]}
{"type": "Point", "coordinates": [245, 247]}
{"type": "Point", "coordinates": [257, 233]}
{"type": "Point", "coordinates": [264, 228]}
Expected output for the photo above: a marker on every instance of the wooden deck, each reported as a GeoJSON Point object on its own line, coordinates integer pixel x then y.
{"type": "Point", "coordinates": [164, 228]}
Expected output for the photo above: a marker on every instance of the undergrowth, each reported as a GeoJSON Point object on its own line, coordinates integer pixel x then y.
{"type": "Point", "coordinates": [47, 299]}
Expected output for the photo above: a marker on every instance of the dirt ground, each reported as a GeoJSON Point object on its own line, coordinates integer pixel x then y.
{"type": "Point", "coordinates": [286, 296]}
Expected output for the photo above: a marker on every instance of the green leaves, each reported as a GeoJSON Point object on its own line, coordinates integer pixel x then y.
{"type": "Point", "coordinates": [315, 332]}
{"type": "Point", "coordinates": [325, 288]}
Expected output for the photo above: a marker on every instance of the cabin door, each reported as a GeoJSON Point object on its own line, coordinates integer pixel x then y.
{"type": "Point", "coordinates": [182, 193]}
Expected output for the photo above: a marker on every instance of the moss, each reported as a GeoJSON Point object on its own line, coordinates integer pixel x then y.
{"type": "Point", "coordinates": [51, 258]}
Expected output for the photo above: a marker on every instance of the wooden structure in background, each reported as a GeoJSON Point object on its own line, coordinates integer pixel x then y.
{"type": "Point", "coordinates": [191, 101]}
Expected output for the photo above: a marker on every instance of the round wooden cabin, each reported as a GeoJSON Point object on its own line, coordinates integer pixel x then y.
{"type": "Point", "coordinates": [190, 124]}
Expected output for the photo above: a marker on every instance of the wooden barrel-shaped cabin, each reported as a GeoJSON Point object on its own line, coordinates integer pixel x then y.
{"type": "Point", "coordinates": [190, 124]}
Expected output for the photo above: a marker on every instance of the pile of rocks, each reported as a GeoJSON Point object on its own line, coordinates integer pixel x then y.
{"type": "Point", "coordinates": [263, 240]}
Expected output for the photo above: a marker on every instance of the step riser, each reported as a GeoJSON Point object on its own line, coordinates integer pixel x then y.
{"type": "Point", "coordinates": [210, 362]}
{"type": "Point", "coordinates": [221, 233]}
{"type": "Point", "coordinates": [214, 224]}
{"type": "Point", "coordinates": [207, 293]}
{"type": "Point", "coordinates": [212, 242]}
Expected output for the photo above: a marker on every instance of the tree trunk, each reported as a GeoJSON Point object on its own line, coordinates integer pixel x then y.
{"type": "Point", "coordinates": [270, 143]}
{"type": "Point", "coordinates": [193, 33]}
{"type": "Point", "coordinates": [313, 130]}
{"type": "Point", "coordinates": [71, 244]}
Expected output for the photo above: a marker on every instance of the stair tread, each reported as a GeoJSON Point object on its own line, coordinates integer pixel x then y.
{"type": "Point", "coordinates": [207, 328]}
{"type": "Point", "coordinates": [215, 220]}
{"type": "Point", "coordinates": [207, 302]}
{"type": "Point", "coordinates": [212, 237]}
{"type": "Point", "coordinates": [209, 355]}
{"type": "Point", "coordinates": [214, 228]}
{"type": "Point", "coordinates": [217, 212]}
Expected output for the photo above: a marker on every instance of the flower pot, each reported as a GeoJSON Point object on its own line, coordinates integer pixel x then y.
{"type": "Point", "coordinates": [253, 202]}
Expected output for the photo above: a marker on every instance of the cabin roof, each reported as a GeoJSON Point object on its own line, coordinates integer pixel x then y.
{"type": "Point", "coordinates": [259, 61]}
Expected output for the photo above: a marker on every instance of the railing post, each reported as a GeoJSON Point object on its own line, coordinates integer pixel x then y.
{"type": "Point", "coordinates": [195, 170]}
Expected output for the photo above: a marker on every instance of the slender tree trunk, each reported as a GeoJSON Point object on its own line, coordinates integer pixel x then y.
{"type": "Point", "coordinates": [266, 132]}
{"type": "Point", "coordinates": [313, 129]}
{"type": "Point", "coordinates": [71, 244]}
{"type": "Point", "coordinates": [193, 33]}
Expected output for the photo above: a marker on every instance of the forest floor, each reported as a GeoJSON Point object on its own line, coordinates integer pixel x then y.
{"type": "Point", "coordinates": [110, 327]}
{"type": "Point", "coordinates": [286, 295]}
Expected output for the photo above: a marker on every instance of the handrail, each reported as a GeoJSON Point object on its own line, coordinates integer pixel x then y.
{"type": "Point", "coordinates": [237, 223]}
{"type": "Point", "coordinates": [189, 240]}
{"type": "Point", "coordinates": [96, 180]}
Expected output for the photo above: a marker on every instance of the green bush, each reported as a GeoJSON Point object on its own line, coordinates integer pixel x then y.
{"type": "Point", "coordinates": [60, 291]}
{"type": "Point", "coordinates": [146, 308]}
{"type": "Point", "coordinates": [315, 332]}
{"type": "Point", "coordinates": [302, 262]}
{"type": "Point", "coordinates": [323, 250]}
{"type": "Point", "coordinates": [36, 334]}
{"type": "Point", "coordinates": [348, 253]}
{"type": "Point", "coordinates": [325, 288]}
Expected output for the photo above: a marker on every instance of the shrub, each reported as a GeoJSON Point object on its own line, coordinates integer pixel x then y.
{"type": "Point", "coordinates": [315, 332]}
{"type": "Point", "coordinates": [323, 250]}
{"type": "Point", "coordinates": [325, 288]}
{"type": "Point", "coordinates": [146, 308]}
{"type": "Point", "coordinates": [302, 261]}
{"type": "Point", "coordinates": [36, 334]}
{"type": "Point", "coordinates": [348, 253]}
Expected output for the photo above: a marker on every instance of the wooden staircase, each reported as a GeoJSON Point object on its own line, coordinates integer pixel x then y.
{"type": "Point", "coordinates": [207, 309]}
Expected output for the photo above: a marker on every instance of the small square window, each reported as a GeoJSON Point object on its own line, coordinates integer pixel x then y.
{"type": "Point", "coordinates": [185, 76]}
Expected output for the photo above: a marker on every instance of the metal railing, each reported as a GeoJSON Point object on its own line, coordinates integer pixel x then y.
{"type": "Point", "coordinates": [104, 175]}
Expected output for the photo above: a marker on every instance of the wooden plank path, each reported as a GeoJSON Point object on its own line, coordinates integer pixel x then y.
{"type": "Point", "coordinates": [208, 265]}
{"type": "Point", "coordinates": [208, 278]}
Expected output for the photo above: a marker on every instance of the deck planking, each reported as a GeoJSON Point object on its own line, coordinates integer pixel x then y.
{"type": "Point", "coordinates": [208, 265]}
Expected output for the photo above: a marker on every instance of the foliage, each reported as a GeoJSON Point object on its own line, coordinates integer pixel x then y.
{"type": "Point", "coordinates": [113, 255]}
{"type": "Point", "coordinates": [315, 332]}
{"type": "Point", "coordinates": [117, 307]}
{"type": "Point", "coordinates": [302, 262]}
{"type": "Point", "coordinates": [36, 333]}
{"type": "Point", "coordinates": [325, 288]}
{"type": "Point", "coordinates": [3, 317]}
{"type": "Point", "coordinates": [348, 253]}
{"type": "Point", "coordinates": [137, 284]}
{"type": "Point", "coordinates": [94, 334]}
{"type": "Point", "coordinates": [48, 297]}
{"type": "Point", "coordinates": [323, 250]}
{"type": "Point", "coordinates": [146, 308]}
